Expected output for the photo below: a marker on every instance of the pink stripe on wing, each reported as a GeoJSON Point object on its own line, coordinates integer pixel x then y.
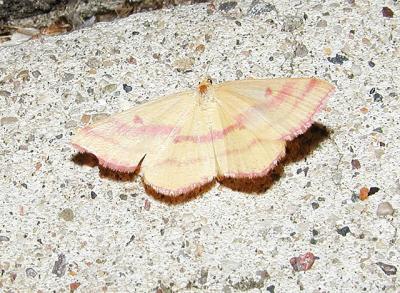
{"type": "Point", "coordinates": [309, 87]}
{"type": "Point", "coordinates": [213, 135]}
{"type": "Point", "coordinates": [277, 99]}
{"type": "Point", "coordinates": [308, 122]}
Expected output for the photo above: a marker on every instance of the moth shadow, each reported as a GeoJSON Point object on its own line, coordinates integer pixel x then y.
{"type": "Point", "coordinates": [88, 159]}
{"type": "Point", "coordinates": [181, 198]}
{"type": "Point", "coordinates": [296, 150]}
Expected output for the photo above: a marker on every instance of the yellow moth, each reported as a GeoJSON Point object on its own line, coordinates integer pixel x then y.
{"type": "Point", "coordinates": [234, 129]}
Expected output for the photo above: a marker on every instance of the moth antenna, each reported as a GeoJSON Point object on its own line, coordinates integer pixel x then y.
{"type": "Point", "coordinates": [206, 75]}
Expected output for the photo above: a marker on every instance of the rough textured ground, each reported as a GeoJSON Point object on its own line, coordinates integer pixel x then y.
{"type": "Point", "coordinates": [63, 227]}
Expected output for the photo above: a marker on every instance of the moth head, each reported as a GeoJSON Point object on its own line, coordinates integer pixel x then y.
{"type": "Point", "coordinates": [204, 84]}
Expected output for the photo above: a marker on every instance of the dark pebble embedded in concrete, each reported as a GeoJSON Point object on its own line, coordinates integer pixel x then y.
{"type": "Point", "coordinates": [387, 269]}
{"type": "Point", "coordinates": [226, 6]}
{"type": "Point", "coordinates": [371, 63]}
{"type": "Point", "coordinates": [271, 289]}
{"type": "Point", "coordinates": [127, 88]}
{"type": "Point", "coordinates": [373, 190]}
{"type": "Point", "coordinates": [338, 59]}
{"type": "Point", "coordinates": [315, 205]}
{"type": "Point", "coordinates": [203, 276]}
{"type": "Point", "coordinates": [93, 194]}
{"type": "Point", "coordinates": [378, 97]}
{"type": "Point", "coordinates": [387, 12]}
{"type": "Point", "coordinates": [355, 164]}
{"type": "Point", "coordinates": [130, 240]}
{"type": "Point", "coordinates": [378, 129]}
{"type": "Point", "coordinates": [60, 266]}
{"type": "Point", "coordinates": [355, 197]}
{"type": "Point", "coordinates": [343, 231]}
{"type": "Point", "coordinates": [36, 73]}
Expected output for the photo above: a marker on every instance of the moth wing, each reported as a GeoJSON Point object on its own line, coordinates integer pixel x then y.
{"type": "Point", "coordinates": [280, 108]}
{"type": "Point", "coordinates": [122, 140]}
{"type": "Point", "coordinates": [186, 160]}
{"type": "Point", "coordinates": [255, 117]}
{"type": "Point", "coordinates": [239, 151]}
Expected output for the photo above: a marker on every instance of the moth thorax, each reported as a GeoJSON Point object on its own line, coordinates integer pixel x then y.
{"type": "Point", "coordinates": [203, 88]}
{"type": "Point", "coordinates": [204, 85]}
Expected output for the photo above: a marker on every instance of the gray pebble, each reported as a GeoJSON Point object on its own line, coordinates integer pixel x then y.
{"type": "Point", "coordinates": [4, 238]}
{"type": "Point", "coordinates": [271, 289]}
{"type": "Point", "coordinates": [226, 6]}
{"type": "Point", "coordinates": [109, 88]}
{"type": "Point", "coordinates": [378, 97]}
{"type": "Point", "coordinates": [384, 209]}
{"type": "Point", "coordinates": [5, 94]}
{"type": "Point", "coordinates": [291, 23]}
{"type": "Point", "coordinates": [60, 266]}
{"type": "Point", "coordinates": [203, 276]}
{"type": "Point", "coordinates": [338, 59]}
{"type": "Point", "coordinates": [36, 73]}
{"type": "Point", "coordinates": [66, 214]}
{"type": "Point", "coordinates": [68, 77]}
{"type": "Point", "coordinates": [8, 120]}
{"type": "Point", "coordinates": [322, 23]}
{"type": "Point", "coordinates": [258, 7]}
{"type": "Point", "coordinates": [127, 88]}
{"type": "Point", "coordinates": [344, 230]}
{"type": "Point", "coordinates": [387, 269]}
{"type": "Point", "coordinates": [301, 50]}
{"type": "Point", "coordinates": [93, 62]}
{"type": "Point", "coordinates": [356, 69]}
{"type": "Point", "coordinates": [30, 272]}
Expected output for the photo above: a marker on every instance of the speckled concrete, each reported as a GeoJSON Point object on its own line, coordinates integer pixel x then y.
{"type": "Point", "coordinates": [63, 227]}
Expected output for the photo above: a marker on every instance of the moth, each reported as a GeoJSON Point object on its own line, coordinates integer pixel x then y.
{"type": "Point", "coordinates": [185, 140]}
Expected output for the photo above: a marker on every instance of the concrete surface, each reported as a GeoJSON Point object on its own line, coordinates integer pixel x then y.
{"type": "Point", "coordinates": [63, 227]}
